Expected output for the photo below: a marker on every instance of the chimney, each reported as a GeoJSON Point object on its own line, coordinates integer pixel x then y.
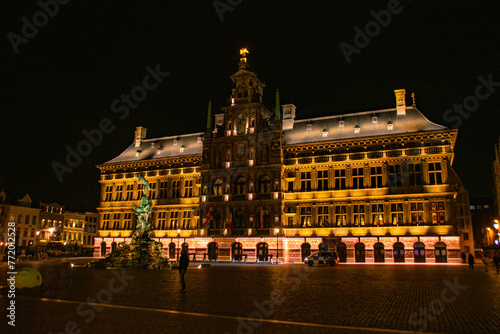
{"type": "Point", "coordinates": [140, 134]}
{"type": "Point", "coordinates": [288, 116]}
{"type": "Point", "coordinates": [400, 102]}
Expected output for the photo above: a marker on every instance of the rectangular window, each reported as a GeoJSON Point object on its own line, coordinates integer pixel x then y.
{"type": "Point", "coordinates": [397, 217]}
{"type": "Point", "coordinates": [359, 215]}
{"type": "Point", "coordinates": [130, 192]}
{"type": "Point", "coordinates": [127, 221]}
{"type": "Point", "coordinates": [305, 216]}
{"type": "Point", "coordinates": [323, 216]}
{"type": "Point", "coordinates": [378, 214]}
{"type": "Point", "coordinates": [176, 189]}
{"type": "Point", "coordinates": [152, 192]}
{"type": "Point", "coordinates": [105, 221]}
{"type": "Point", "coordinates": [395, 176]}
{"type": "Point", "coordinates": [466, 236]}
{"type": "Point", "coordinates": [339, 179]}
{"type": "Point", "coordinates": [357, 178]}
{"type": "Point", "coordinates": [27, 219]}
{"type": "Point", "coordinates": [161, 223]}
{"type": "Point", "coordinates": [186, 219]}
{"type": "Point", "coordinates": [305, 181]}
{"type": "Point", "coordinates": [322, 180]}
{"type": "Point", "coordinates": [33, 220]}
{"type": "Point", "coordinates": [415, 174]}
{"type": "Point", "coordinates": [438, 213]}
{"type": "Point", "coordinates": [417, 213]}
{"type": "Point", "coordinates": [174, 217]}
{"type": "Point", "coordinates": [163, 190]}
{"type": "Point", "coordinates": [107, 193]}
{"type": "Point", "coordinates": [435, 173]}
{"type": "Point", "coordinates": [376, 177]}
{"type": "Point", "coordinates": [119, 190]}
{"type": "Point", "coordinates": [116, 221]}
{"type": "Point", "coordinates": [139, 190]}
{"type": "Point", "coordinates": [340, 215]}
{"type": "Point", "coordinates": [290, 186]}
{"type": "Point", "coordinates": [188, 188]}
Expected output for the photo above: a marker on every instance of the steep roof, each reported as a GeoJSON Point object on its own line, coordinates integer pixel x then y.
{"type": "Point", "coordinates": [158, 148]}
{"type": "Point", "coordinates": [413, 121]}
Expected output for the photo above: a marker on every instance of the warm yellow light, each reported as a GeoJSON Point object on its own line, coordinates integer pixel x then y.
{"type": "Point", "coordinates": [243, 52]}
{"type": "Point", "coordinates": [277, 230]}
{"type": "Point", "coordinates": [178, 231]}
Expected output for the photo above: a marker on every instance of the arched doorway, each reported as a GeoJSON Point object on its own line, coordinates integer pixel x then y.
{"type": "Point", "coordinates": [103, 248]}
{"type": "Point", "coordinates": [305, 250]}
{"type": "Point", "coordinates": [360, 252]}
{"type": "Point", "coordinates": [440, 252]}
{"type": "Point", "coordinates": [213, 251]}
{"type": "Point", "coordinates": [171, 250]}
{"type": "Point", "coordinates": [237, 250]}
{"type": "Point", "coordinates": [113, 246]}
{"type": "Point", "coordinates": [419, 252]}
{"type": "Point", "coordinates": [342, 252]}
{"type": "Point", "coordinates": [379, 252]}
{"type": "Point", "coordinates": [399, 252]}
{"type": "Point", "coordinates": [262, 251]}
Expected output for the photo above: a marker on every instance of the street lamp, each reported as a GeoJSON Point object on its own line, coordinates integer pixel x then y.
{"type": "Point", "coordinates": [277, 230]}
{"type": "Point", "coordinates": [178, 240]}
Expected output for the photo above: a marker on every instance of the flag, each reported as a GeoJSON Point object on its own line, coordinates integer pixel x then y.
{"type": "Point", "coordinates": [209, 215]}
{"type": "Point", "coordinates": [261, 217]}
{"type": "Point", "coordinates": [230, 221]}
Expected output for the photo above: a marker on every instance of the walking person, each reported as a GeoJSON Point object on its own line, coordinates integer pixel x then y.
{"type": "Point", "coordinates": [496, 261]}
{"type": "Point", "coordinates": [464, 257]}
{"type": "Point", "coordinates": [183, 265]}
{"type": "Point", "coordinates": [471, 261]}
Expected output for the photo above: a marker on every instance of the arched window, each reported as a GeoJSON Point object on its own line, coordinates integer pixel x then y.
{"type": "Point", "coordinates": [103, 248]}
{"type": "Point", "coordinates": [217, 187]}
{"type": "Point", "coordinates": [240, 185]}
{"type": "Point", "coordinates": [379, 252]}
{"type": "Point", "coordinates": [419, 252]}
{"type": "Point", "coordinates": [399, 252]}
{"type": "Point", "coordinates": [217, 220]}
{"type": "Point", "coordinates": [237, 250]}
{"type": "Point", "coordinates": [262, 252]}
{"type": "Point", "coordinates": [264, 156]}
{"type": "Point", "coordinates": [113, 246]}
{"type": "Point", "coordinates": [171, 250]}
{"type": "Point", "coordinates": [359, 249]}
{"type": "Point", "coordinates": [342, 252]}
{"type": "Point", "coordinates": [440, 252]}
{"type": "Point", "coordinates": [213, 251]}
{"type": "Point", "coordinates": [264, 182]}
{"type": "Point", "coordinates": [240, 220]}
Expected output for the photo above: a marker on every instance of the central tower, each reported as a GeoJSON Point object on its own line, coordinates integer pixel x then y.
{"type": "Point", "coordinates": [242, 162]}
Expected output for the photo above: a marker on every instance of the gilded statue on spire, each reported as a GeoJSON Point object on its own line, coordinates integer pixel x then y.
{"type": "Point", "coordinates": [413, 97]}
{"type": "Point", "coordinates": [243, 54]}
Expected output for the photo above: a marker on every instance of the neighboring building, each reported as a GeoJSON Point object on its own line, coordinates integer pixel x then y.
{"type": "Point", "coordinates": [51, 226]}
{"type": "Point", "coordinates": [90, 227]}
{"type": "Point", "coordinates": [483, 218]}
{"type": "Point", "coordinates": [72, 234]}
{"type": "Point", "coordinates": [377, 186]}
{"type": "Point", "coordinates": [496, 178]}
{"type": "Point", "coordinates": [26, 221]}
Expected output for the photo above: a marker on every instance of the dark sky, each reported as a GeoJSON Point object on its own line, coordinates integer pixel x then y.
{"type": "Point", "coordinates": [64, 79]}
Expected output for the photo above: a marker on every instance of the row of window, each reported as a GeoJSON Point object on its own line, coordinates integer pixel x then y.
{"type": "Point", "coordinates": [164, 191]}
{"type": "Point", "coordinates": [397, 176]}
{"type": "Point", "coordinates": [359, 217]}
{"type": "Point", "coordinates": [160, 221]}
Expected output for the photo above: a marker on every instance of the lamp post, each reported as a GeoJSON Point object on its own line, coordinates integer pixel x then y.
{"type": "Point", "coordinates": [178, 240]}
{"type": "Point", "coordinates": [277, 230]}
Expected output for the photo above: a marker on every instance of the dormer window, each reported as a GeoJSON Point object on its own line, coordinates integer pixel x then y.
{"type": "Point", "coordinates": [341, 124]}
{"type": "Point", "coordinates": [159, 150]}
{"type": "Point", "coordinates": [183, 148]}
{"type": "Point", "coordinates": [199, 139]}
{"type": "Point", "coordinates": [309, 126]}
{"type": "Point", "coordinates": [374, 119]}
{"type": "Point", "coordinates": [176, 141]}
{"type": "Point", "coordinates": [325, 133]}
{"type": "Point", "coordinates": [390, 126]}
{"type": "Point", "coordinates": [357, 129]}
{"type": "Point", "coordinates": [153, 144]}
{"type": "Point", "coordinates": [137, 153]}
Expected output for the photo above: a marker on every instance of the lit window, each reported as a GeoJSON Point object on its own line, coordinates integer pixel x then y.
{"type": "Point", "coordinates": [183, 148]}
{"type": "Point", "coordinates": [374, 119]}
{"type": "Point", "coordinates": [341, 124]}
{"type": "Point", "coordinates": [357, 129]}
{"type": "Point", "coordinates": [309, 127]}
{"type": "Point", "coordinates": [325, 133]}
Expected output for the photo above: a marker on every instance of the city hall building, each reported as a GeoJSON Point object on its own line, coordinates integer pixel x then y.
{"type": "Point", "coordinates": [257, 184]}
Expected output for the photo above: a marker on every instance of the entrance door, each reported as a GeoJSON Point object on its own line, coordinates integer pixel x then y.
{"type": "Point", "coordinates": [440, 252]}
{"type": "Point", "coordinates": [419, 252]}
{"type": "Point", "coordinates": [342, 252]}
{"type": "Point", "coordinates": [379, 255]}
{"type": "Point", "coordinates": [237, 251]}
{"type": "Point", "coordinates": [305, 250]}
{"type": "Point", "coordinates": [213, 251]}
{"type": "Point", "coordinates": [399, 252]}
{"type": "Point", "coordinates": [360, 252]}
{"type": "Point", "coordinates": [262, 252]}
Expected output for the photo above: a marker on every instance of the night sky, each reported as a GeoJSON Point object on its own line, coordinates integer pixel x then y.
{"type": "Point", "coordinates": [65, 78]}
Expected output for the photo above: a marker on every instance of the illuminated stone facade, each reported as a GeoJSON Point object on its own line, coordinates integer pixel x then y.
{"type": "Point", "coordinates": [377, 186]}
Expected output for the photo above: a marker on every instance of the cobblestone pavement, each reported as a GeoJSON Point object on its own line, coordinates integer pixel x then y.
{"type": "Point", "coordinates": [249, 298]}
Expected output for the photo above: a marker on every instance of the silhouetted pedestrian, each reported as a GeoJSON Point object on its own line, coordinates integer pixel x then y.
{"type": "Point", "coordinates": [496, 261]}
{"type": "Point", "coordinates": [183, 265]}
{"type": "Point", "coordinates": [464, 257]}
{"type": "Point", "coordinates": [471, 261]}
